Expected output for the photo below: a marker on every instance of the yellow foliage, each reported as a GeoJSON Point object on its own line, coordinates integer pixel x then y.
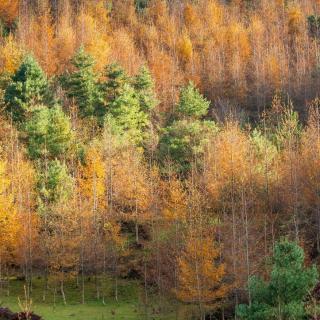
{"type": "Point", "coordinates": [158, 12]}
{"type": "Point", "coordinates": [98, 11]}
{"type": "Point", "coordinates": [10, 55]}
{"type": "Point", "coordinates": [229, 159]}
{"type": "Point", "coordinates": [124, 51]}
{"type": "Point", "coordinates": [257, 27]}
{"type": "Point", "coordinates": [310, 161]}
{"type": "Point", "coordinates": [113, 234]}
{"type": "Point", "coordinates": [190, 16]}
{"type": "Point", "coordinates": [63, 240]}
{"type": "Point", "coordinates": [214, 13]}
{"type": "Point", "coordinates": [175, 208]}
{"type": "Point", "coordinates": [273, 68]}
{"type": "Point", "coordinates": [295, 20]}
{"type": "Point", "coordinates": [200, 273]}
{"type": "Point", "coordinates": [93, 36]}
{"type": "Point", "coordinates": [185, 48]}
{"type": "Point", "coordinates": [9, 225]}
{"type": "Point", "coordinates": [130, 182]}
{"type": "Point", "coordinates": [65, 43]}
{"type": "Point", "coordinates": [237, 40]}
{"type": "Point", "coordinates": [92, 181]}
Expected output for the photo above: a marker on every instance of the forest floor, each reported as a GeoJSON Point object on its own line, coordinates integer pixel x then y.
{"type": "Point", "coordinates": [129, 305]}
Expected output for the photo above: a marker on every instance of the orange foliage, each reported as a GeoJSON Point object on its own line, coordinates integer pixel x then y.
{"type": "Point", "coordinates": [92, 180]}
{"type": "Point", "coordinates": [9, 10]}
{"type": "Point", "coordinates": [185, 48]}
{"type": "Point", "coordinates": [175, 208]}
{"type": "Point", "coordinates": [9, 223]}
{"type": "Point", "coordinates": [92, 30]}
{"type": "Point", "coordinates": [201, 274]}
{"type": "Point", "coordinates": [41, 42]}
{"type": "Point", "coordinates": [130, 183]}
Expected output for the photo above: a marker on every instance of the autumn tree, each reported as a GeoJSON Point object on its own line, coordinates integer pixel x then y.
{"type": "Point", "coordinates": [116, 248]}
{"type": "Point", "coordinates": [92, 32]}
{"type": "Point", "coordinates": [11, 55]}
{"type": "Point", "coordinates": [42, 40]}
{"type": "Point", "coordinates": [201, 276]}
{"type": "Point", "coordinates": [9, 223]}
{"type": "Point", "coordinates": [9, 11]}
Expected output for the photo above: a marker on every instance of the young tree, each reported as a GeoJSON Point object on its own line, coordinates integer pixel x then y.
{"type": "Point", "coordinates": [200, 275]}
{"type": "Point", "coordinates": [184, 138]}
{"type": "Point", "coordinates": [54, 185]}
{"type": "Point", "coordinates": [184, 141]}
{"type": "Point", "coordinates": [283, 296]}
{"type": "Point", "coordinates": [191, 103]}
{"type": "Point", "coordinates": [9, 223]}
{"type": "Point", "coordinates": [144, 86]}
{"type": "Point", "coordinates": [11, 55]}
{"type": "Point", "coordinates": [116, 247]}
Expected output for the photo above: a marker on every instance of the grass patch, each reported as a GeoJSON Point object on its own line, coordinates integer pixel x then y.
{"type": "Point", "coordinates": [129, 305]}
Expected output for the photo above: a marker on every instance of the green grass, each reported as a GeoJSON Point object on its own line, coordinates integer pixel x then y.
{"type": "Point", "coordinates": [129, 305]}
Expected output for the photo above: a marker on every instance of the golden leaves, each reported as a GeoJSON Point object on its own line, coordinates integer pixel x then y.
{"type": "Point", "coordinates": [200, 272]}
{"type": "Point", "coordinates": [295, 20]}
{"type": "Point", "coordinates": [9, 10]}
{"type": "Point", "coordinates": [229, 159]}
{"type": "Point", "coordinates": [9, 224]}
{"type": "Point", "coordinates": [10, 55]}
{"type": "Point", "coordinates": [92, 180]}
{"type": "Point", "coordinates": [175, 207]}
{"type": "Point", "coordinates": [92, 27]}
{"type": "Point", "coordinates": [185, 48]}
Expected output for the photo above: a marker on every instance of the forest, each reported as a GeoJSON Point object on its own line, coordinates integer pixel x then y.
{"type": "Point", "coordinates": [160, 159]}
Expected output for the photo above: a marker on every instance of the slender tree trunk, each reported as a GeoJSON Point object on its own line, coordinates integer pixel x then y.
{"type": "Point", "coordinates": [62, 291]}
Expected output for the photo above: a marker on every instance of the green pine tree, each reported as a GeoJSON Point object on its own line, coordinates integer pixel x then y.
{"type": "Point", "coordinates": [126, 118]}
{"type": "Point", "coordinates": [116, 81]}
{"type": "Point", "coordinates": [283, 296]}
{"type": "Point", "coordinates": [28, 88]}
{"type": "Point", "coordinates": [192, 103]}
{"type": "Point", "coordinates": [82, 85]}
{"type": "Point", "coordinates": [54, 184]}
{"type": "Point", "coordinates": [48, 132]}
{"type": "Point", "coordinates": [183, 141]}
{"type": "Point", "coordinates": [145, 90]}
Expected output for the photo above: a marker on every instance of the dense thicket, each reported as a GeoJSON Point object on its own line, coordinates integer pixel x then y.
{"type": "Point", "coordinates": [171, 141]}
